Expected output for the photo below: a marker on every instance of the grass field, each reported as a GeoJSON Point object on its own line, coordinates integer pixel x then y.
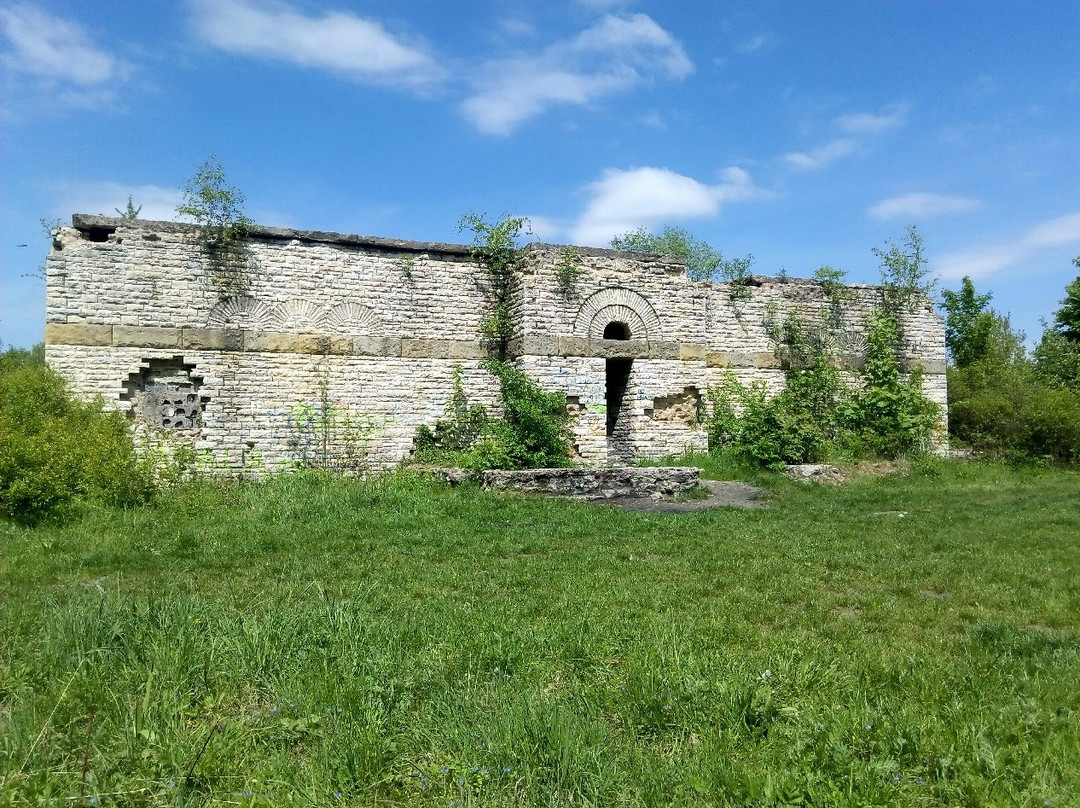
{"type": "Point", "coordinates": [911, 640]}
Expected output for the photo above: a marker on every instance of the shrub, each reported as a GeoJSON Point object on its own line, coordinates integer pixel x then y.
{"type": "Point", "coordinates": [56, 451]}
{"type": "Point", "coordinates": [818, 415]}
{"type": "Point", "coordinates": [889, 416]}
{"type": "Point", "coordinates": [532, 433]}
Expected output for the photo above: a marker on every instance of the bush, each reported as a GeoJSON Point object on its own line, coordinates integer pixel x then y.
{"type": "Point", "coordinates": [1009, 410]}
{"type": "Point", "coordinates": [533, 432]}
{"type": "Point", "coordinates": [56, 451]}
{"type": "Point", "coordinates": [818, 416]}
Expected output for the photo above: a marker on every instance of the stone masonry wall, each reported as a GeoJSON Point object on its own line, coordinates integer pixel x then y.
{"type": "Point", "coordinates": [307, 341]}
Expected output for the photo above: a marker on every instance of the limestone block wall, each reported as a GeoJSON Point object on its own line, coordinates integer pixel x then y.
{"type": "Point", "coordinates": [306, 341]}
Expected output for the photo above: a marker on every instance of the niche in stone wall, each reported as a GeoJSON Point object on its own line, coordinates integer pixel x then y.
{"type": "Point", "coordinates": [684, 407]}
{"type": "Point", "coordinates": [164, 395]}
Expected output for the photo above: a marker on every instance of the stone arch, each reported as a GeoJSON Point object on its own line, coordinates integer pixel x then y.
{"type": "Point", "coordinates": [619, 305]}
{"type": "Point", "coordinates": [352, 319]}
{"type": "Point", "coordinates": [239, 312]}
{"type": "Point", "coordinates": [296, 316]}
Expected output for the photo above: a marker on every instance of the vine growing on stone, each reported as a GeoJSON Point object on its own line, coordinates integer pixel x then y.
{"type": "Point", "coordinates": [495, 247]}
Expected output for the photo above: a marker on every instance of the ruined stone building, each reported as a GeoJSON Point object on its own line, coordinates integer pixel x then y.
{"type": "Point", "coordinates": [250, 356]}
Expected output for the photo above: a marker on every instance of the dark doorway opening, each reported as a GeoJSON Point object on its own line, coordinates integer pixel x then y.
{"type": "Point", "coordinates": [617, 373]}
{"type": "Point", "coordinates": [616, 330]}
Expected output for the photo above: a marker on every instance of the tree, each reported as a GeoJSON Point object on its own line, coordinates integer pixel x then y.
{"type": "Point", "coordinates": [130, 212]}
{"type": "Point", "coordinates": [215, 206]}
{"type": "Point", "coordinates": [1067, 318]}
{"type": "Point", "coordinates": [904, 273]}
{"type": "Point", "coordinates": [703, 263]}
{"type": "Point", "coordinates": [968, 323]}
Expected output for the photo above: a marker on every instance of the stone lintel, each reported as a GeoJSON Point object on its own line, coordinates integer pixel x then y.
{"type": "Point", "coordinates": [213, 339]}
{"type": "Point", "coordinates": [78, 334]}
{"type": "Point", "coordinates": [664, 350]}
{"type": "Point", "coordinates": [376, 346]}
{"type": "Point", "coordinates": [619, 348]}
{"type": "Point", "coordinates": [692, 351]}
{"type": "Point", "coordinates": [930, 367]}
{"type": "Point", "coordinates": [535, 346]}
{"type": "Point", "coordinates": [275, 342]}
{"type": "Point", "coordinates": [126, 336]}
{"type": "Point", "coordinates": [574, 346]}
{"type": "Point", "coordinates": [766, 360]}
{"type": "Point", "coordinates": [442, 349]}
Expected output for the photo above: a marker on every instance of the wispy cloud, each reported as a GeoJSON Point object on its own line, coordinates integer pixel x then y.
{"type": "Point", "coordinates": [336, 41]}
{"type": "Point", "coordinates": [1061, 231]}
{"type": "Point", "coordinates": [855, 128]}
{"type": "Point", "coordinates": [614, 55]}
{"type": "Point", "coordinates": [59, 57]}
{"type": "Point", "coordinates": [822, 156]}
{"type": "Point", "coordinates": [892, 116]}
{"type": "Point", "coordinates": [622, 200]}
{"type": "Point", "coordinates": [922, 206]}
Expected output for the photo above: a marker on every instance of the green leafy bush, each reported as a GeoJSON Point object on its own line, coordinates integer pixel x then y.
{"type": "Point", "coordinates": [889, 416]}
{"type": "Point", "coordinates": [532, 433]}
{"type": "Point", "coordinates": [818, 416]}
{"type": "Point", "coordinates": [56, 451]}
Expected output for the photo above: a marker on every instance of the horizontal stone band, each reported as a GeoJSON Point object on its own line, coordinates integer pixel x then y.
{"type": "Point", "coordinates": [228, 339]}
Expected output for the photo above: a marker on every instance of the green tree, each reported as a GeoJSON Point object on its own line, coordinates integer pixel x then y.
{"type": "Point", "coordinates": [702, 261]}
{"type": "Point", "coordinates": [905, 275]}
{"type": "Point", "coordinates": [130, 212]}
{"type": "Point", "coordinates": [214, 205]}
{"type": "Point", "coordinates": [1067, 318]}
{"type": "Point", "coordinates": [968, 323]}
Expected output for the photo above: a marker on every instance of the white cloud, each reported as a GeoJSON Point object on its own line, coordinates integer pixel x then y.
{"type": "Point", "coordinates": [872, 123]}
{"type": "Point", "coordinates": [922, 206]}
{"type": "Point", "coordinates": [54, 48]}
{"type": "Point", "coordinates": [60, 58]}
{"type": "Point", "coordinates": [821, 157]}
{"type": "Point", "coordinates": [1058, 232]}
{"type": "Point", "coordinates": [855, 128]}
{"type": "Point", "coordinates": [158, 204]}
{"type": "Point", "coordinates": [614, 55]}
{"type": "Point", "coordinates": [622, 200]}
{"type": "Point", "coordinates": [336, 41]}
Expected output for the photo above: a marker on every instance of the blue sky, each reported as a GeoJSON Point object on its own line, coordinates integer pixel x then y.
{"type": "Point", "coordinates": [805, 133]}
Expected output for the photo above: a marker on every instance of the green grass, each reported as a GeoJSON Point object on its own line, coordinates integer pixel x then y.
{"type": "Point", "coordinates": [906, 640]}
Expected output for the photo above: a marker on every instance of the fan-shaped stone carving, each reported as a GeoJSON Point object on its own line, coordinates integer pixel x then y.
{"type": "Point", "coordinates": [239, 312]}
{"type": "Point", "coordinates": [854, 343]}
{"type": "Point", "coordinates": [619, 305]}
{"type": "Point", "coordinates": [296, 316]}
{"type": "Point", "coordinates": [351, 318]}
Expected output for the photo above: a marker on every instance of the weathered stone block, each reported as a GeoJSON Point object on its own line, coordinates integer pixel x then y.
{"type": "Point", "coordinates": [78, 334]}
{"type": "Point", "coordinates": [574, 346]}
{"type": "Point", "coordinates": [212, 339]}
{"type": "Point", "coordinates": [376, 346]}
{"type": "Point", "coordinates": [689, 350]}
{"type": "Point", "coordinates": [126, 336]}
